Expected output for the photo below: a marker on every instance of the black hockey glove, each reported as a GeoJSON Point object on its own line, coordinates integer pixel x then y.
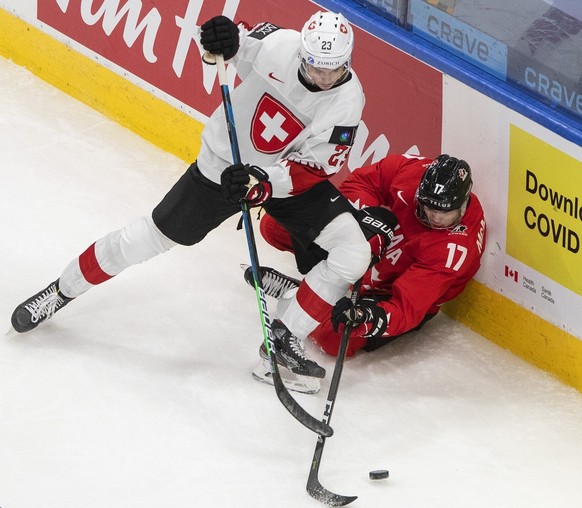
{"type": "Point", "coordinates": [366, 312]}
{"type": "Point", "coordinates": [241, 181]}
{"type": "Point", "coordinates": [219, 35]}
{"type": "Point", "coordinates": [378, 226]}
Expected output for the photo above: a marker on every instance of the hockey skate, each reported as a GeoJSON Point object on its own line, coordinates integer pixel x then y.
{"type": "Point", "coordinates": [38, 308]}
{"type": "Point", "coordinates": [275, 283]}
{"type": "Point", "coordinates": [298, 372]}
{"type": "Point", "coordinates": [294, 382]}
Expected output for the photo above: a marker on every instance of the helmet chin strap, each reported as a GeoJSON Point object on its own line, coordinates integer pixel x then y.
{"type": "Point", "coordinates": [343, 77]}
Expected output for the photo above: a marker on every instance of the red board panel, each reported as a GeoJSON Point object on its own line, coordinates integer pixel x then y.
{"type": "Point", "coordinates": [155, 40]}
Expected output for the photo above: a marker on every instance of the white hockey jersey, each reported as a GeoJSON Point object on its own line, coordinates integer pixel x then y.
{"type": "Point", "coordinates": [299, 136]}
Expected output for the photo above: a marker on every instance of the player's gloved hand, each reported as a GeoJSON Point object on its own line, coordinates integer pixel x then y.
{"type": "Point", "coordinates": [378, 226]}
{"type": "Point", "coordinates": [219, 35]}
{"type": "Point", "coordinates": [367, 315]}
{"type": "Point", "coordinates": [241, 181]}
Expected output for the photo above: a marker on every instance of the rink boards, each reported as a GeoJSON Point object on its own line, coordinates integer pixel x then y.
{"type": "Point", "coordinates": [527, 294]}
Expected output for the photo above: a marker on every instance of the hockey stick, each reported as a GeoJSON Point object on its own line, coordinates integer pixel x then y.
{"type": "Point", "coordinates": [320, 427]}
{"type": "Point", "coordinates": [315, 489]}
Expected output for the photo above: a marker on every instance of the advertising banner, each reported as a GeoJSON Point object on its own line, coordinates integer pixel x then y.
{"type": "Point", "coordinates": [544, 229]}
{"type": "Point", "coordinates": [459, 38]}
{"type": "Point", "coordinates": [546, 82]}
{"type": "Point", "coordinates": [157, 41]}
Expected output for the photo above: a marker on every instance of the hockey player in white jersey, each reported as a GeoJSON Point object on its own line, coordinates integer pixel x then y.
{"type": "Point", "coordinates": [297, 109]}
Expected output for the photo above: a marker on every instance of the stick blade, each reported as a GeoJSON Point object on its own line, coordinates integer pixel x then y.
{"type": "Point", "coordinates": [321, 494]}
{"type": "Point", "coordinates": [319, 427]}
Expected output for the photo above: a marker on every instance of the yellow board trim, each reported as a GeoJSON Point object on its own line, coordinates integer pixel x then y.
{"type": "Point", "coordinates": [105, 91]}
{"type": "Point", "coordinates": [525, 334]}
{"type": "Point", "coordinates": [479, 307]}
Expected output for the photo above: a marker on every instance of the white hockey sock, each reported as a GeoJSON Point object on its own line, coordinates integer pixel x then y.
{"type": "Point", "coordinates": [137, 242]}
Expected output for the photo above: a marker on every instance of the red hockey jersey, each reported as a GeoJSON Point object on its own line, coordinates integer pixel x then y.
{"type": "Point", "coordinates": [423, 267]}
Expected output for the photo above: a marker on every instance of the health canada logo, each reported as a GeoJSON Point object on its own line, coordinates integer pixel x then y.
{"type": "Point", "coordinates": [552, 227]}
{"type": "Point", "coordinates": [511, 274]}
{"type": "Point", "coordinates": [528, 284]}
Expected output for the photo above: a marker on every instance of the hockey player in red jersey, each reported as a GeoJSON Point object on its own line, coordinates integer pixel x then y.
{"type": "Point", "coordinates": [297, 109]}
{"type": "Point", "coordinates": [435, 251]}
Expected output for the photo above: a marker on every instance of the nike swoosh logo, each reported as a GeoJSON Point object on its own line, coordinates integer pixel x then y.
{"type": "Point", "coordinates": [333, 200]}
{"type": "Point", "coordinates": [399, 194]}
{"type": "Point", "coordinates": [272, 76]}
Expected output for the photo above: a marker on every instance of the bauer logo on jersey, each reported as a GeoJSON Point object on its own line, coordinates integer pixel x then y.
{"type": "Point", "coordinates": [273, 126]}
{"type": "Point", "coordinates": [343, 135]}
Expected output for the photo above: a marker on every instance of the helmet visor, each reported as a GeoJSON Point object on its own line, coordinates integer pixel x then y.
{"type": "Point", "coordinates": [439, 219]}
{"type": "Point", "coordinates": [321, 77]}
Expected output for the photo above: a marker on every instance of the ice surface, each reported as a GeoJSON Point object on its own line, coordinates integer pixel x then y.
{"type": "Point", "coordinates": [139, 393]}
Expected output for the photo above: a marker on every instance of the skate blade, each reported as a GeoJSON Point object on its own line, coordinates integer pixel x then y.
{"type": "Point", "coordinates": [294, 382]}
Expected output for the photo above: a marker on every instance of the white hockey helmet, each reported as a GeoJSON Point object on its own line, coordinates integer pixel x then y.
{"type": "Point", "coordinates": [327, 40]}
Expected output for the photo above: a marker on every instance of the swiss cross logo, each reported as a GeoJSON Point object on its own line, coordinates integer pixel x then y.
{"type": "Point", "coordinates": [511, 274]}
{"type": "Point", "coordinates": [273, 126]}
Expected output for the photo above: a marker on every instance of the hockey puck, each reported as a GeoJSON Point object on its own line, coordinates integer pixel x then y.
{"type": "Point", "coordinates": [379, 474]}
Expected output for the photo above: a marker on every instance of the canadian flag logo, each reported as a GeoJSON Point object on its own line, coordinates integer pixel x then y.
{"type": "Point", "coordinates": [512, 274]}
